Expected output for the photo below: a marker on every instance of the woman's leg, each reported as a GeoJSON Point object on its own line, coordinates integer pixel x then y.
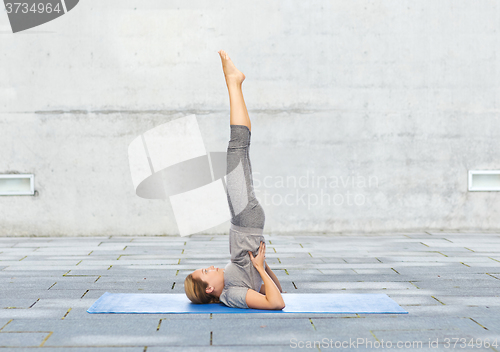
{"type": "Point", "coordinates": [245, 208]}
{"type": "Point", "coordinates": [234, 79]}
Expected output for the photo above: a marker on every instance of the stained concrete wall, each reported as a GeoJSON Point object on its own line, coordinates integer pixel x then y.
{"type": "Point", "coordinates": [392, 102]}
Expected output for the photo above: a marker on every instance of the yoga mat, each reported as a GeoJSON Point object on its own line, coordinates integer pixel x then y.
{"type": "Point", "coordinates": [151, 303]}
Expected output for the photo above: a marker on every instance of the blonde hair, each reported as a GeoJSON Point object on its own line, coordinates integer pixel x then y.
{"type": "Point", "coordinates": [195, 291]}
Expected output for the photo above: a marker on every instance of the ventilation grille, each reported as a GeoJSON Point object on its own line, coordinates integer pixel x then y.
{"type": "Point", "coordinates": [484, 180]}
{"type": "Point", "coordinates": [17, 184]}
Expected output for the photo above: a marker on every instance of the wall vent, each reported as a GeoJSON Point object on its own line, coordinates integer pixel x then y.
{"type": "Point", "coordinates": [17, 184]}
{"type": "Point", "coordinates": [484, 180]}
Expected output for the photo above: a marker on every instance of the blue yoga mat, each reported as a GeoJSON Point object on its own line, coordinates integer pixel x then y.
{"type": "Point", "coordinates": [150, 303]}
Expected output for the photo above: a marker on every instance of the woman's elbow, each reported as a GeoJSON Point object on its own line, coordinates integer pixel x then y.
{"type": "Point", "coordinates": [280, 306]}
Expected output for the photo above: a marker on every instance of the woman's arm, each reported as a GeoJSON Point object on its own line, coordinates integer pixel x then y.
{"type": "Point", "coordinates": [273, 294]}
{"type": "Point", "coordinates": [273, 298]}
{"type": "Point", "coordinates": [273, 277]}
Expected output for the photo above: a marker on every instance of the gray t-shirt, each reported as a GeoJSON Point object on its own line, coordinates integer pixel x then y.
{"type": "Point", "coordinates": [240, 274]}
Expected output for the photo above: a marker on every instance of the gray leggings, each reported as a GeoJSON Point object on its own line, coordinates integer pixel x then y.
{"type": "Point", "coordinates": [246, 210]}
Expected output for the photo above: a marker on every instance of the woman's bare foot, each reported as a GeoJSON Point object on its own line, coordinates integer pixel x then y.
{"type": "Point", "coordinates": [233, 75]}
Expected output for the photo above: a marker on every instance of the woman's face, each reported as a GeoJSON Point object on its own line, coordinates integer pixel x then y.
{"type": "Point", "coordinates": [211, 275]}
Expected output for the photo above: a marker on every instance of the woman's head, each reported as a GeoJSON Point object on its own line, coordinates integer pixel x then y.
{"type": "Point", "coordinates": [204, 285]}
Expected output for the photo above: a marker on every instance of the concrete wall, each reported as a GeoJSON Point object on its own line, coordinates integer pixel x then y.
{"type": "Point", "coordinates": [399, 96]}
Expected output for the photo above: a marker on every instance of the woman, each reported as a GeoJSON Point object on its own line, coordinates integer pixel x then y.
{"type": "Point", "coordinates": [247, 281]}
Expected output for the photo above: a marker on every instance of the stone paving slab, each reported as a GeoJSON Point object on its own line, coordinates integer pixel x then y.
{"type": "Point", "coordinates": [227, 348]}
{"type": "Point", "coordinates": [12, 257]}
{"type": "Point", "coordinates": [27, 273]}
{"type": "Point", "coordinates": [120, 269]}
{"type": "Point", "coordinates": [35, 263]}
{"type": "Point", "coordinates": [30, 314]}
{"type": "Point", "coordinates": [32, 339]}
{"type": "Point", "coordinates": [36, 256]}
{"type": "Point", "coordinates": [461, 311]}
{"type": "Point", "coordinates": [13, 302]}
{"type": "Point", "coordinates": [42, 294]}
{"type": "Point", "coordinates": [143, 325]}
{"type": "Point", "coordinates": [441, 268]}
{"type": "Point", "coordinates": [165, 255]}
{"type": "Point", "coordinates": [83, 349]}
{"type": "Point", "coordinates": [55, 244]}
{"type": "Point", "coordinates": [42, 268]}
{"type": "Point", "coordinates": [440, 259]}
{"type": "Point", "coordinates": [354, 285]}
{"type": "Point", "coordinates": [119, 332]}
{"type": "Point", "coordinates": [19, 286]}
{"type": "Point", "coordinates": [432, 283]}
{"type": "Point", "coordinates": [73, 251]}
{"type": "Point", "coordinates": [116, 262]}
{"type": "Point", "coordinates": [132, 286]}
{"type": "Point", "coordinates": [470, 300]}
{"type": "Point", "coordinates": [401, 322]}
{"type": "Point", "coordinates": [448, 283]}
{"type": "Point", "coordinates": [492, 266]}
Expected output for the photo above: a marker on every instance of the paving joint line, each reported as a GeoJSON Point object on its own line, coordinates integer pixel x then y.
{"type": "Point", "coordinates": [478, 324]}
{"type": "Point", "coordinates": [66, 313]}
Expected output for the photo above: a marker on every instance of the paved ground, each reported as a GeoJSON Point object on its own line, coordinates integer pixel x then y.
{"type": "Point", "coordinates": [448, 282]}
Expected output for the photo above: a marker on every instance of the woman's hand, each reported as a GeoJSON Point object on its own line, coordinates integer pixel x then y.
{"type": "Point", "coordinates": [258, 261]}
